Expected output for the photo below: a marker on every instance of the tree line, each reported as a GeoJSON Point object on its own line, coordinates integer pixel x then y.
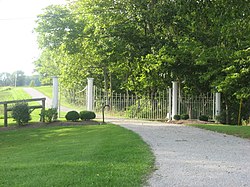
{"type": "Point", "coordinates": [18, 78]}
{"type": "Point", "coordinates": [141, 46]}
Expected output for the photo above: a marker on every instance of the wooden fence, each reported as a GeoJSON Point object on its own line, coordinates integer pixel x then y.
{"type": "Point", "coordinates": [6, 109]}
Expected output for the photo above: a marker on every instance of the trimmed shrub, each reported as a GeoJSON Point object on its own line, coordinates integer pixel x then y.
{"type": "Point", "coordinates": [21, 113]}
{"type": "Point", "coordinates": [49, 115]}
{"type": "Point", "coordinates": [184, 116]}
{"type": "Point", "coordinates": [177, 117]}
{"type": "Point", "coordinates": [72, 116]}
{"type": "Point", "coordinates": [203, 118]}
{"type": "Point", "coordinates": [87, 115]}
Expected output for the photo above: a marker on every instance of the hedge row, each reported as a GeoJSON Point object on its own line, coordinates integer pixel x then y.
{"type": "Point", "coordinates": [83, 115]}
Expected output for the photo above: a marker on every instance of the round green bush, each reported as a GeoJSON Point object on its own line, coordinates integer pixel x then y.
{"type": "Point", "coordinates": [72, 116]}
{"type": "Point", "coordinates": [177, 117]}
{"type": "Point", "coordinates": [49, 115]}
{"type": "Point", "coordinates": [21, 113]}
{"type": "Point", "coordinates": [203, 118]}
{"type": "Point", "coordinates": [87, 115]}
{"type": "Point", "coordinates": [184, 116]}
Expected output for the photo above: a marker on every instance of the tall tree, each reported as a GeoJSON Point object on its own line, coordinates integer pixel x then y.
{"type": "Point", "coordinates": [143, 45]}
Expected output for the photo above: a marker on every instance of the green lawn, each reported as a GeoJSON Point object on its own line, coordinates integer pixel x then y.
{"type": "Point", "coordinates": [102, 155]}
{"type": "Point", "coordinates": [47, 90]}
{"type": "Point", "coordinates": [240, 131]}
{"type": "Point", "coordinates": [13, 93]}
{"type": "Point", "coordinates": [16, 93]}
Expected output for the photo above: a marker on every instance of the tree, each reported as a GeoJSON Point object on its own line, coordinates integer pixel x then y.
{"type": "Point", "coordinates": [19, 78]}
{"type": "Point", "coordinates": [5, 79]}
{"type": "Point", "coordinates": [143, 45]}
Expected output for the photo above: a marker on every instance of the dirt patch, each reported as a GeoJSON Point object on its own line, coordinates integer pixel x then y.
{"type": "Point", "coordinates": [56, 123]}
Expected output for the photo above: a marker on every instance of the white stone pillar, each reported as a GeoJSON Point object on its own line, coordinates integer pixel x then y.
{"type": "Point", "coordinates": [169, 104]}
{"type": "Point", "coordinates": [90, 94]}
{"type": "Point", "coordinates": [55, 93]}
{"type": "Point", "coordinates": [174, 98]}
{"type": "Point", "coordinates": [217, 104]}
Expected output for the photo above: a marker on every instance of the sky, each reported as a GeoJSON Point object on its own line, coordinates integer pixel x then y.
{"type": "Point", "coordinates": [18, 46]}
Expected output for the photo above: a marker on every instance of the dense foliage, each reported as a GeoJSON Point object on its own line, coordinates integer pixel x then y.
{"type": "Point", "coordinates": [141, 46]}
{"type": "Point", "coordinates": [21, 113]}
{"type": "Point", "coordinates": [49, 115]}
{"type": "Point", "coordinates": [72, 116]}
{"type": "Point", "coordinates": [184, 116]}
{"type": "Point", "coordinates": [177, 117]}
{"type": "Point", "coordinates": [87, 115]}
{"type": "Point", "coordinates": [203, 118]}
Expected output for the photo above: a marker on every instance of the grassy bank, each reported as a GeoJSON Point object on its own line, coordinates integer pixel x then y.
{"type": "Point", "coordinates": [103, 155]}
{"type": "Point", "coordinates": [13, 93]}
{"type": "Point", "coordinates": [46, 90]}
{"type": "Point", "coordinates": [240, 131]}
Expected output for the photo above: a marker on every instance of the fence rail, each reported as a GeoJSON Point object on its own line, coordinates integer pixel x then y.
{"type": "Point", "coordinates": [6, 108]}
{"type": "Point", "coordinates": [154, 106]}
{"type": "Point", "coordinates": [195, 106]}
{"type": "Point", "coordinates": [77, 98]}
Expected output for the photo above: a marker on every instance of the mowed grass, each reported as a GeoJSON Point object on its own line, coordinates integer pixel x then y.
{"type": "Point", "coordinates": [102, 155]}
{"type": "Point", "coordinates": [16, 93]}
{"type": "Point", "coordinates": [240, 131]}
{"type": "Point", "coordinates": [47, 90]}
{"type": "Point", "coordinates": [13, 93]}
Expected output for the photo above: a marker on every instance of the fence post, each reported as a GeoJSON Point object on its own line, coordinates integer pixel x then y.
{"type": "Point", "coordinates": [90, 98]}
{"type": "Point", "coordinates": [217, 104]}
{"type": "Point", "coordinates": [5, 115]}
{"type": "Point", "coordinates": [43, 108]}
{"type": "Point", "coordinates": [55, 93]}
{"type": "Point", "coordinates": [174, 98]}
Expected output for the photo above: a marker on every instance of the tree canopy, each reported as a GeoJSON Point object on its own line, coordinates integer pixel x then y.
{"type": "Point", "coordinates": [143, 45]}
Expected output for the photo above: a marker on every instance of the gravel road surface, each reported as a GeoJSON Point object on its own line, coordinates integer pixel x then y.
{"type": "Point", "coordinates": [188, 156]}
{"type": "Point", "coordinates": [192, 157]}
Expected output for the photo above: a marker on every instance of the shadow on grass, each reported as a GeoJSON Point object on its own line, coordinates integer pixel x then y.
{"type": "Point", "coordinates": [76, 155]}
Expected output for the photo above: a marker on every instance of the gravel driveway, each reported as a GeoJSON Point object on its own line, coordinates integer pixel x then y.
{"type": "Point", "coordinates": [188, 156]}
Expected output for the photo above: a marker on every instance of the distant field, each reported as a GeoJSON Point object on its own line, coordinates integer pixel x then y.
{"type": "Point", "coordinates": [240, 131]}
{"type": "Point", "coordinates": [11, 93]}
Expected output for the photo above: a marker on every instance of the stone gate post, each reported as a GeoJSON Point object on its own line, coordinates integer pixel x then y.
{"type": "Point", "coordinates": [217, 104]}
{"type": "Point", "coordinates": [90, 94]}
{"type": "Point", "coordinates": [174, 98]}
{"type": "Point", "coordinates": [55, 93]}
{"type": "Point", "coordinates": [169, 104]}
